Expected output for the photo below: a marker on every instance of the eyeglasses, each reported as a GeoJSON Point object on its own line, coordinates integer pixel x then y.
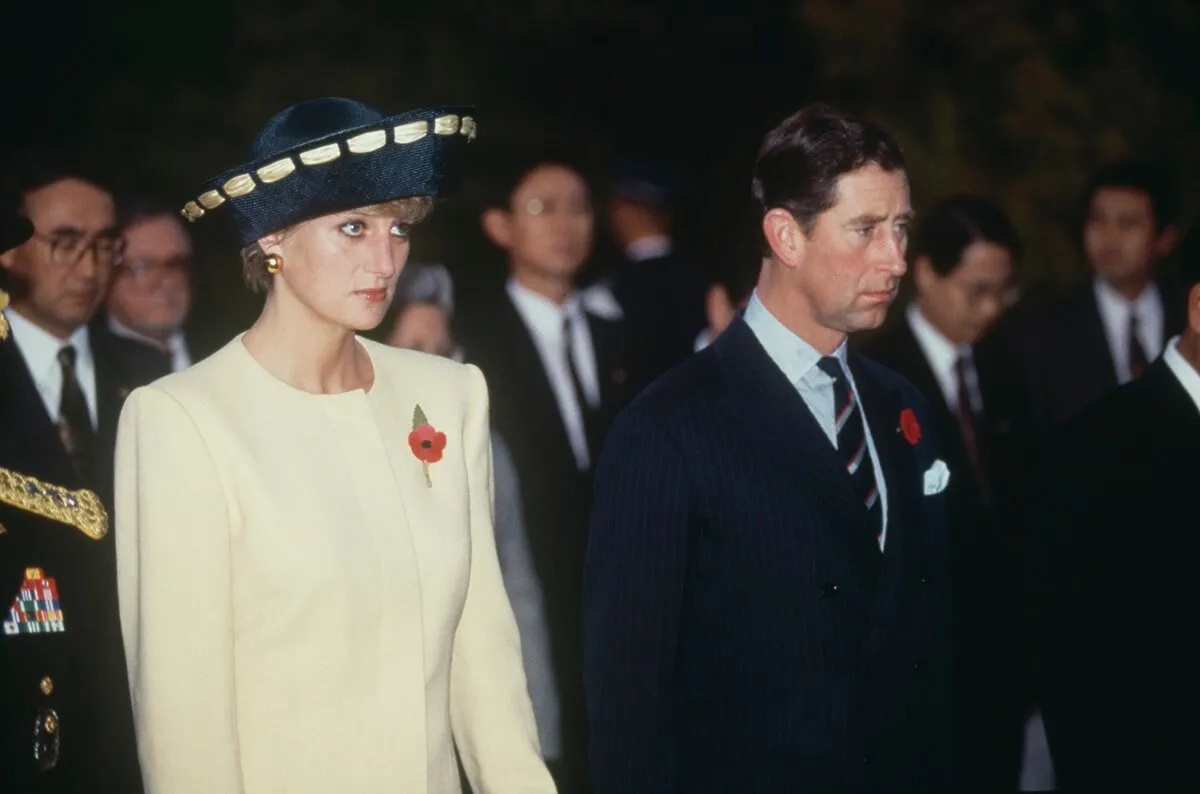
{"type": "Point", "coordinates": [67, 249]}
{"type": "Point", "coordinates": [145, 269]}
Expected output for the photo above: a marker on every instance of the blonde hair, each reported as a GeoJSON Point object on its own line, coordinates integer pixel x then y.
{"type": "Point", "coordinates": [254, 259]}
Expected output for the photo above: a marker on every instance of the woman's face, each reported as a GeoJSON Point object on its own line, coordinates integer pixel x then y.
{"type": "Point", "coordinates": [341, 268]}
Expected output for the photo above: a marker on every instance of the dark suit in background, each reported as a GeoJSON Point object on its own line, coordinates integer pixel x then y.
{"type": "Point", "coordinates": [743, 631]}
{"type": "Point", "coordinates": [83, 667]}
{"type": "Point", "coordinates": [1114, 557]}
{"type": "Point", "coordinates": [663, 297]}
{"type": "Point", "coordinates": [31, 443]}
{"type": "Point", "coordinates": [555, 494]}
{"type": "Point", "coordinates": [992, 696]}
{"type": "Point", "coordinates": [1065, 352]}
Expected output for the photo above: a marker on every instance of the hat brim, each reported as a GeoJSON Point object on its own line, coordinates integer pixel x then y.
{"type": "Point", "coordinates": [409, 154]}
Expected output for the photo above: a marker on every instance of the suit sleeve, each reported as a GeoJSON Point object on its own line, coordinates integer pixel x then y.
{"type": "Point", "coordinates": [489, 701]}
{"type": "Point", "coordinates": [633, 594]}
{"type": "Point", "coordinates": [174, 585]}
{"type": "Point", "coordinates": [525, 593]}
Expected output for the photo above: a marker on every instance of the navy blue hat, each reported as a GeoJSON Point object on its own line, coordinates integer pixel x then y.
{"type": "Point", "coordinates": [329, 155]}
{"type": "Point", "coordinates": [644, 183]}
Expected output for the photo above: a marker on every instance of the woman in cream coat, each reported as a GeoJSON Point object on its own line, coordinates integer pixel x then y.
{"type": "Point", "coordinates": [310, 596]}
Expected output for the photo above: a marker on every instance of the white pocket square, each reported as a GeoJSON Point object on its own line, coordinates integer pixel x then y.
{"type": "Point", "coordinates": [936, 478]}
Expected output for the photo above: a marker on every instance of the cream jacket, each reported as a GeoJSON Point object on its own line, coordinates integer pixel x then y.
{"type": "Point", "coordinates": [302, 610]}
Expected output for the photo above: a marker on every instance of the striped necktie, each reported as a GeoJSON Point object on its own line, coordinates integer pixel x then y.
{"type": "Point", "coordinates": [852, 442]}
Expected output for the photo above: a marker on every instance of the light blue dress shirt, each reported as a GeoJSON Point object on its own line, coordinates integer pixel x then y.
{"type": "Point", "coordinates": [798, 361]}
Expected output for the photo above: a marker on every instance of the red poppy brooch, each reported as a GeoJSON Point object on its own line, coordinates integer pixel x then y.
{"type": "Point", "coordinates": [910, 426]}
{"type": "Point", "coordinates": [426, 443]}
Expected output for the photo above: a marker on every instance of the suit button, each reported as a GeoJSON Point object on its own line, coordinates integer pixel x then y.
{"type": "Point", "coordinates": [866, 760]}
{"type": "Point", "coordinates": [829, 589]}
{"type": "Point", "coordinates": [919, 665]}
{"type": "Point", "coordinates": [47, 685]}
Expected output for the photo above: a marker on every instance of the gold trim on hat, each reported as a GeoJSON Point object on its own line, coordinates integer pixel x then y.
{"type": "Point", "coordinates": [211, 200]}
{"type": "Point", "coordinates": [363, 143]}
{"type": "Point", "coordinates": [240, 185]}
{"type": "Point", "coordinates": [410, 132]}
{"type": "Point", "coordinates": [321, 155]}
{"type": "Point", "coordinates": [367, 142]}
{"type": "Point", "coordinates": [273, 172]}
{"type": "Point", "coordinates": [445, 125]}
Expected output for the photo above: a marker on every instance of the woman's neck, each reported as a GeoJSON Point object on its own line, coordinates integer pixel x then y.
{"type": "Point", "coordinates": [307, 353]}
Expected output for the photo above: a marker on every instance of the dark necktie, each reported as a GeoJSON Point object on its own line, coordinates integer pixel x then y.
{"type": "Point", "coordinates": [74, 420]}
{"type": "Point", "coordinates": [586, 412]}
{"type": "Point", "coordinates": [852, 442]}
{"type": "Point", "coordinates": [968, 427]}
{"type": "Point", "coordinates": [1137, 354]}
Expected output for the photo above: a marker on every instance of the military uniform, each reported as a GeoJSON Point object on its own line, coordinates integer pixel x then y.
{"type": "Point", "coordinates": [66, 725]}
{"type": "Point", "coordinates": [65, 718]}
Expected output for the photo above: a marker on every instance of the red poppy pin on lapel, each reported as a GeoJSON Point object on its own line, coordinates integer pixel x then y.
{"type": "Point", "coordinates": [427, 444]}
{"type": "Point", "coordinates": [910, 426]}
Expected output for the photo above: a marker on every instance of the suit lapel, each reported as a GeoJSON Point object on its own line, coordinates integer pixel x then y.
{"type": "Point", "coordinates": [775, 415]}
{"type": "Point", "coordinates": [898, 462]}
{"type": "Point", "coordinates": [1093, 337]}
{"type": "Point", "coordinates": [31, 441]}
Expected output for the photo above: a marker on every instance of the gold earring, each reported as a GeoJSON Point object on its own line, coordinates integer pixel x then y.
{"type": "Point", "coordinates": [274, 263]}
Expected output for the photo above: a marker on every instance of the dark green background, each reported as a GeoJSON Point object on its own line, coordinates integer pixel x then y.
{"type": "Point", "coordinates": [1020, 100]}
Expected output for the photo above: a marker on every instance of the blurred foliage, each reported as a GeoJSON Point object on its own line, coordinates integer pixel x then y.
{"type": "Point", "coordinates": [1020, 100]}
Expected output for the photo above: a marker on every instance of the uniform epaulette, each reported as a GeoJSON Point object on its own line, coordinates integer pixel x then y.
{"type": "Point", "coordinates": [80, 509]}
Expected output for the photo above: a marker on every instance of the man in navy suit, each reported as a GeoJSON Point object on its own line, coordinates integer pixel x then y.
{"type": "Point", "coordinates": [766, 592]}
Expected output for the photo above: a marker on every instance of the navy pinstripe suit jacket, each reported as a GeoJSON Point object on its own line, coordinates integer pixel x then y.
{"type": "Point", "coordinates": [743, 632]}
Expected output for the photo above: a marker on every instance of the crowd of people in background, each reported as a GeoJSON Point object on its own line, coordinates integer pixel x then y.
{"type": "Point", "coordinates": [1071, 446]}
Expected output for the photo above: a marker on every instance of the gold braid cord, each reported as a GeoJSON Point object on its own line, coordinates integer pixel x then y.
{"type": "Point", "coordinates": [79, 509]}
{"type": "Point", "coordinates": [3, 319]}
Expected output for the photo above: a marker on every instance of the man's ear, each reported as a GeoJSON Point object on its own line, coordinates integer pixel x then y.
{"type": "Point", "coordinates": [784, 236]}
{"type": "Point", "coordinates": [1165, 243]}
{"type": "Point", "coordinates": [1193, 309]}
{"type": "Point", "coordinates": [497, 225]}
{"type": "Point", "coordinates": [924, 276]}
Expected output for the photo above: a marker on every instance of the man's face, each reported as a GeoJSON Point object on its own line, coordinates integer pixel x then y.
{"type": "Point", "coordinates": [548, 226]}
{"type": "Point", "coordinates": [854, 259]}
{"type": "Point", "coordinates": [967, 301]}
{"type": "Point", "coordinates": [151, 291]}
{"type": "Point", "coordinates": [58, 278]}
{"type": "Point", "coordinates": [1121, 238]}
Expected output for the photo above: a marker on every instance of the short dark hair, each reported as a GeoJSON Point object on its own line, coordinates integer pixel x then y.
{"type": "Point", "coordinates": [32, 169]}
{"type": "Point", "coordinates": [1152, 178]}
{"type": "Point", "coordinates": [1189, 259]}
{"type": "Point", "coordinates": [951, 225]}
{"type": "Point", "coordinates": [138, 207]}
{"type": "Point", "coordinates": [801, 160]}
{"type": "Point", "coordinates": [504, 172]}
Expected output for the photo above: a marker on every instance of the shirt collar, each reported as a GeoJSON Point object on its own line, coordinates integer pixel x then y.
{"type": "Point", "coordinates": [173, 342]}
{"type": "Point", "coordinates": [941, 353]}
{"type": "Point", "coordinates": [1114, 303]}
{"type": "Point", "coordinates": [40, 348]}
{"type": "Point", "coordinates": [790, 352]}
{"type": "Point", "coordinates": [1188, 377]}
{"type": "Point", "coordinates": [543, 314]}
{"type": "Point", "coordinates": [653, 247]}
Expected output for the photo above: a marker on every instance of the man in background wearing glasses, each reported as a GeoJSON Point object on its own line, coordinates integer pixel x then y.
{"type": "Point", "coordinates": [151, 292]}
{"type": "Point", "coordinates": [962, 256]}
{"type": "Point", "coordinates": [66, 382]}
{"type": "Point", "coordinates": [66, 724]}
